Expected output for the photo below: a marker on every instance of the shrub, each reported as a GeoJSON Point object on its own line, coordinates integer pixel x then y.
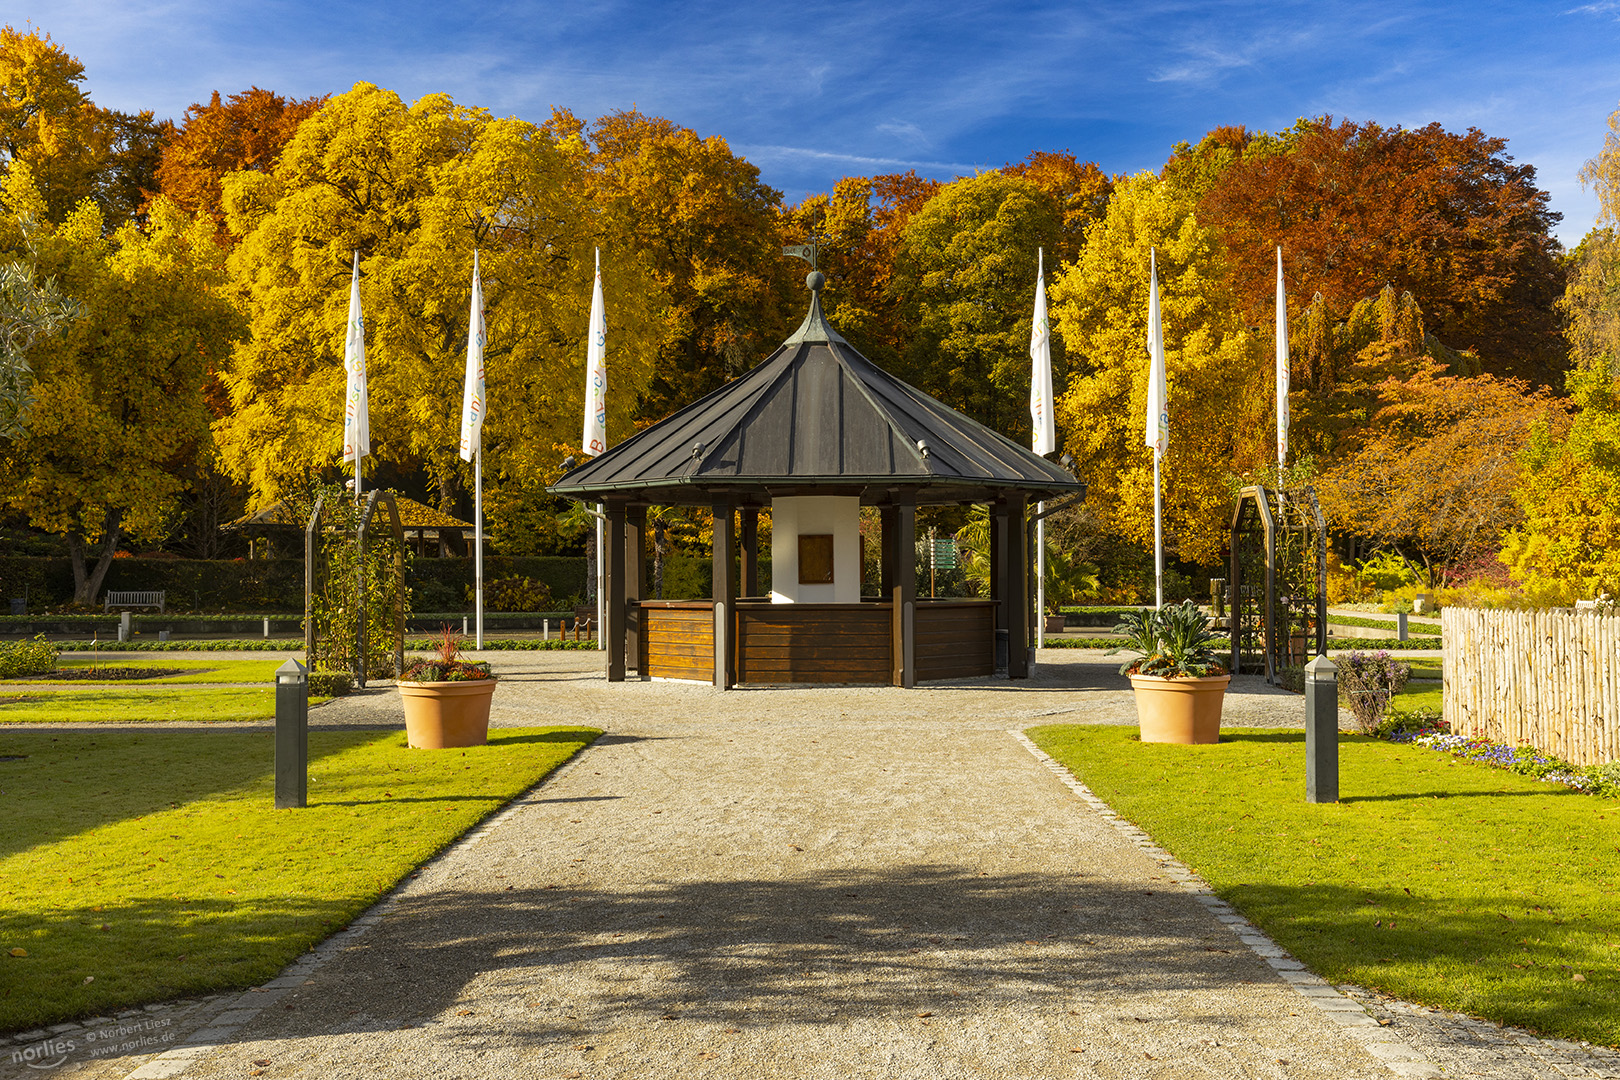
{"type": "Point", "coordinates": [330, 683]}
{"type": "Point", "coordinates": [515, 594]}
{"type": "Point", "coordinates": [1404, 725]}
{"type": "Point", "coordinates": [30, 656]}
{"type": "Point", "coordinates": [1367, 684]}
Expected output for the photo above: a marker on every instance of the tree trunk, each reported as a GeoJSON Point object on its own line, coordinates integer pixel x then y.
{"type": "Point", "coordinates": [659, 548]}
{"type": "Point", "coordinates": [87, 582]}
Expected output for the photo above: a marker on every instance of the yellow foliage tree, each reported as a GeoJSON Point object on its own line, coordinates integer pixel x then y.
{"type": "Point", "coordinates": [47, 122]}
{"type": "Point", "coordinates": [118, 420]}
{"type": "Point", "coordinates": [414, 190]}
{"type": "Point", "coordinates": [1219, 383]}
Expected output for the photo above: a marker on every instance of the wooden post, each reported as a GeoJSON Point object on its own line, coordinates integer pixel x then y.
{"type": "Point", "coordinates": [1016, 559]}
{"type": "Point", "coordinates": [750, 551]}
{"type": "Point", "coordinates": [888, 576]}
{"type": "Point", "coordinates": [905, 593]}
{"type": "Point", "coordinates": [725, 593]}
{"type": "Point", "coordinates": [635, 531]}
{"type": "Point", "coordinates": [612, 630]}
{"type": "Point", "coordinates": [998, 583]}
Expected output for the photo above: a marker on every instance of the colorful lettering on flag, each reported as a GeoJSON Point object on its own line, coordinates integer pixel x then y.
{"type": "Point", "coordinates": [472, 393]}
{"type": "Point", "coordinates": [1158, 397]}
{"type": "Point", "coordinates": [356, 403]}
{"type": "Point", "coordinates": [594, 439]}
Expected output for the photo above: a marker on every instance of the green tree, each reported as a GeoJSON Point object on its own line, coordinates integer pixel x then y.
{"type": "Point", "coordinates": [118, 417]}
{"type": "Point", "coordinates": [1219, 383]}
{"type": "Point", "coordinates": [414, 190]}
{"type": "Point", "coordinates": [966, 267]}
{"type": "Point", "coordinates": [29, 309]}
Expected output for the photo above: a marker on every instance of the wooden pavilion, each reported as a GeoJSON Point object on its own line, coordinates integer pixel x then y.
{"type": "Point", "coordinates": [815, 432]}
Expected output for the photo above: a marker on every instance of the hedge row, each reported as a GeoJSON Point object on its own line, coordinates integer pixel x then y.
{"type": "Point", "coordinates": [295, 645]}
{"type": "Point", "coordinates": [272, 585]}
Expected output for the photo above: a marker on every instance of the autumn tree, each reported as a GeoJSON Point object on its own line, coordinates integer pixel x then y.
{"type": "Point", "coordinates": [1078, 188]}
{"type": "Point", "coordinates": [710, 228]}
{"type": "Point", "coordinates": [966, 268]}
{"type": "Point", "coordinates": [48, 122]}
{"type": "Point", "coordinates": [1450, 218]}
{"type": "Point", "coordinates": [415, 189]}
{"type": "Point", "coordinates": [859, 226]}
{"type": "Point", "coordinates": [1218, 405]}
{"type": "Point", "coordinates": [244, 131]}
{"type": "Point", "coordinates": [1436, 475]}
{"type": "Point", "coordinates": [1569, 545]}
{"type": "Point", "coordinates": [118, 416]}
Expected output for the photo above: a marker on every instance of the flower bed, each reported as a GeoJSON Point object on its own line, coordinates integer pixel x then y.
{"type": "Point", "coordinates": [1423, 728]}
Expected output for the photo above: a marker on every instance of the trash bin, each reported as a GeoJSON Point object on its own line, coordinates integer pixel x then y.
{"type": "Point", "coordinates": [19, 605]}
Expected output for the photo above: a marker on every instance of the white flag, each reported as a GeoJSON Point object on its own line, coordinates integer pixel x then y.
{"type": "Point", "coordinates": [1282, 371]}
{"type": "Point", "coordinates": [1158, 400]}
{"type": "Point", "coordinates": [357, 405]}
{"type": "Point", "coordinates": [594, 440]}
{"type": "Point", "coordinates": [1040, 375]}
{"type": "Point", "coordinates": [472, 393]}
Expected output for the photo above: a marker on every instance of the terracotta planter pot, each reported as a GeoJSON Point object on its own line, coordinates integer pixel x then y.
{"type": "Point", "coordinates": [1179, 710]}
{"type": "Point", "coordinates": [441, 715]}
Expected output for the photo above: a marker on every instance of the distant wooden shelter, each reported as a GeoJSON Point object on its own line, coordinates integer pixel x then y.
{"type": "Point", "coordinates": [421, 525]}
{"type": "Point", "coordinates": [815, 432]}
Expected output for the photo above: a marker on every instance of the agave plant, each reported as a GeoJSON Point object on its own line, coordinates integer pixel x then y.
{"type": "Point", "coordinates": [1176, 642]}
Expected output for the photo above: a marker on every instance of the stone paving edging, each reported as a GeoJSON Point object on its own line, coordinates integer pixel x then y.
{"type": "Point", "coordinates": [242, 1009]}
{"type": "Point", "coordinates": [1396, 1054]}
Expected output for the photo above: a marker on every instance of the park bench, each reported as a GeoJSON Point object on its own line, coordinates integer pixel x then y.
{"type": "Point", "coordinates": [150, 598]}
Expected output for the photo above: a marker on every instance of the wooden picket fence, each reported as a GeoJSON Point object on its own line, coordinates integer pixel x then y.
{"type": "Point", "coordinates": [1547, 678]}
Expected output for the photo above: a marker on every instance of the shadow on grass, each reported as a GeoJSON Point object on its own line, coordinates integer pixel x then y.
{"type": "Point", "coordinates": [71, 782]}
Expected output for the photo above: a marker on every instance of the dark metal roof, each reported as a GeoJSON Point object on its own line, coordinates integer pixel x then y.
{"type": "Point", "coordinates": [816, 417]}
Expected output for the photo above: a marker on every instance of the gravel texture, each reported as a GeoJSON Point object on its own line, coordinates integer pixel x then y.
{"type": "Point", "coordinates": [846, 882]}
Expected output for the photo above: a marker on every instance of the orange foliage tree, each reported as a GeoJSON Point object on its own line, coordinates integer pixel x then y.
{"type": "Point", "coordinates": [245, 131]}
{"type": "Point", "coordinates": [1450, 218]}
{"type": "Point", "coordinates": [1437, 469]}
{"type": "Point", "coordinates": [710, 227]}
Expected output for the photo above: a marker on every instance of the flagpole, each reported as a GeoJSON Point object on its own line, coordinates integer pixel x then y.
{"type": "Point", "coordinates": [474, 406]}
{"type": "Point", "coordinates": [478, 551]}
{"type": "Point", "coordinates": [1044, 437]}
{"type": "Point", "coordinates": [1158, 417]}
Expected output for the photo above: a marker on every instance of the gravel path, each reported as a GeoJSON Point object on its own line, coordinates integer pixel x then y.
{"type": "Point", "coordinates": [805, 883]}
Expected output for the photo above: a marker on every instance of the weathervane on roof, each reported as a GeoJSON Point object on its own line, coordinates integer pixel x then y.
{"type": "Point", "coordinates": [807, 252]}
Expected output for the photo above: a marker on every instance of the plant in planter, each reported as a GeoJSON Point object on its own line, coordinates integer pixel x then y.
{"type": "Point", "coordinates": [446, 698]}
{"type": "Point", "coordinates": [1179, 684]}
{"type": "Point", "coordinates": [1067, 583]}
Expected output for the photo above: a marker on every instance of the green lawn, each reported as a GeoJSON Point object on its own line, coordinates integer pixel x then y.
{"type": "Point", "coordinates": [1441, 882]}
{"type": "Point", "coordinates": [196, 671]}
{"type": "Point", "coordinates": [105, 706]}
{"type": "Point", "coordinates": [154, 863]}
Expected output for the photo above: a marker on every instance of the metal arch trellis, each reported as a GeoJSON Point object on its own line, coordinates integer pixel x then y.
{"type": "Point", "coordinates": [315, 573]}
{"type": "Point", "coordinates": [1278, 586]}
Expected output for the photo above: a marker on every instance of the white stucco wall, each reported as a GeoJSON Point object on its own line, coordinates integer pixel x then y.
{"type": "Point", "coordinates": [810, 516]}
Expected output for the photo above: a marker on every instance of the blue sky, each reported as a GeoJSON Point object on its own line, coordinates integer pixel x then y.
{"type": "Point", "coordinates": [810, 92]}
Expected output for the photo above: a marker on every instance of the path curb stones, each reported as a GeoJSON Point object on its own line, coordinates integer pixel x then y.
{"type": "Point", "coordinates": [1394, 1053]}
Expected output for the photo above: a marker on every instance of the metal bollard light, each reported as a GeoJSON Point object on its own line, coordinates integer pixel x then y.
{"type": "Point", "coordinates": [1400, 625]}
{"type": "Point", "coordinates": [1321, 731]}
{"type": "Point", "coordinates": [292, 735]}
{"type": "Point", "coordinates": [267, 629]}
{"type": "Point", "coordinates": [124, 626]}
